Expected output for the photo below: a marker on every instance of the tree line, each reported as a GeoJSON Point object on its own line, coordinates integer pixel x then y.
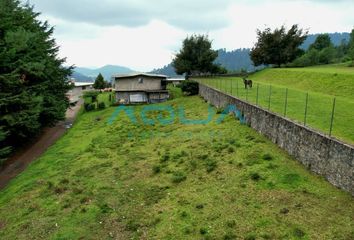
{"type": "Point", "coordinates": [279, 47]}
{"type": "Point", "coordinates": [33, 80]}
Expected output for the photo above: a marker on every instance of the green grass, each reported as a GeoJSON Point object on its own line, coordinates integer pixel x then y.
{"type": "Point", "coordinates": [137, 181]}
{"type": "Point", "coordinates": [321, 83]}
{"type": "Point", "coordinates": [102, 97]}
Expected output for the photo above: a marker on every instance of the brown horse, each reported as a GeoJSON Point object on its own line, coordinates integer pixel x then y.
{"type": "Point", "coordinates": [248, 83]}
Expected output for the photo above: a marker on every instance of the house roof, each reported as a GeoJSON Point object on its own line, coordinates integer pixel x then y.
{"type": "Point", "coordinates": [138, 74]}
{"type": "Point", "coordinates": [81, 84]}
{"type": "Point", "coordinates": [145, 91]}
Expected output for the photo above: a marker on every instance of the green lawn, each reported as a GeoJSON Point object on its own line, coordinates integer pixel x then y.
{"type": "Point", "coordinates": [174, 181]}
{"type": "Point", "coordinates": [103, 97]}
{"type": "Point", "coordinates": [321, 83]}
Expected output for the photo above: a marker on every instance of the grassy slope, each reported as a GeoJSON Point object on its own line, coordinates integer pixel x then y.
{"type": "Point", "coordinates": [322, 83]}
{"type": "Point", "coordinates": [330, 80]}
{"type": "Point", "coordinates": [122, 181]}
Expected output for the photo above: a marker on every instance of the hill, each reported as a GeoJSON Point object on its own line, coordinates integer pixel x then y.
{"type": "Point", "coordinates": [170, 181]}
{"type": "Point", "coordinates": [167, 70]}
{"type": "Point", "coordinates": [107, 71]}
{"type": "Point", "coordinates": [336, 38]}
{"type": "Point", "coordinates": [80, 77]}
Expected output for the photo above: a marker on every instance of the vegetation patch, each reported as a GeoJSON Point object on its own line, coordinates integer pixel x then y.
{"type": "Point", "coordinates": [98, 182]}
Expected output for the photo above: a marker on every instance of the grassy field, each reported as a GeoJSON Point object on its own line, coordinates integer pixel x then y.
{"type": "Point", "coordinates": [170, 181]}
{"type": "Point", "coordinates": [321, 83]}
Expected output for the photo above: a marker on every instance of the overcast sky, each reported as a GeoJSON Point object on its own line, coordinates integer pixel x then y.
{"type": "Point", "coordinates": [145, 34]}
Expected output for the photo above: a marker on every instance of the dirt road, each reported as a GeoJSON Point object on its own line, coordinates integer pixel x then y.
{"type": "Point", "coordinates": [23, 157]}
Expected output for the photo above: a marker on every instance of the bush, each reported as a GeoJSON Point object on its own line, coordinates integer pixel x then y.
{"type": "Point", "coordinates": [101, 105]}
{"type": "Point", "coordinates": [267, 157]}
{"type": "Point", "coordinates": [156, 169]}
{"type": "Point", "coordinates": [178, 177]}
{"type": "Point", "coordinates": [189, 87]}
{"type": "Point", "coordinates": [91, 94]}
{"type": "Point", "coordinates": [255, 176]}
{"type": "Point", "coordinates": [211, 165]}
{"type": "Point", "coordinates": [89, 107]}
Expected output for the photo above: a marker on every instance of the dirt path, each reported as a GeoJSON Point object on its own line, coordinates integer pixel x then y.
{"type": "Point", "coordinates": [23, 157]}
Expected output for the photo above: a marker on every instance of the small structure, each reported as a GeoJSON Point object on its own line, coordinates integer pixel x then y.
{"type": "Point", "coordinates": [76, 92]}
{"type": "Point", "coordinates": [140, 88]}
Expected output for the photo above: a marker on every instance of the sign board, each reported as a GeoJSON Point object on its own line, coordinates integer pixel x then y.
{"type": "Point", "coordinates": [135, 98]}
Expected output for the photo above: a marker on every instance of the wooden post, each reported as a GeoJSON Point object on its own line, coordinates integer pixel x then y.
{"type": "Point", "coordinates": [332, 117]}
{"type": "Point", "coordinates": [286, 102]}
{"type": "Point", "coordinates": [306, 103]}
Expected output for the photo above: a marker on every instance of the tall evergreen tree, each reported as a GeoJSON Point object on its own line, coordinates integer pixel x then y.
{"type": "Point", "coordinates": [351, 46]}
{"type": "Point", "coordinates": [99, 82]}
{"type": "Point", "coordinates": [33, 81]}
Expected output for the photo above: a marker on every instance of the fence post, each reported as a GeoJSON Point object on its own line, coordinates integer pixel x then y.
{"type": "Point", "coordinates": [237, 87]}
{"type": "Point", "coordinates": [307, 99]}
{"type": "Point", "coordinates": [270, 94]}
{"type": "Point", "coordinates": [286, 102]}
{"type": "Point", "coordinates": [257, 94]}
{"type": "Point", "coordinates": [247, 94]}
{"type": "Point", "coordinates": [231, 88]}
{"type": "Point", "coordinates": [332, 117]}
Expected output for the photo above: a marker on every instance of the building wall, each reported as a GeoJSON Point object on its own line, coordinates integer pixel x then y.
{"type": "Point", "coordinates": [149, 83]}
{"type": "Point", "coordinates": [323, 155]}
{"type": "Point", "coordinates": [75, 93]}
{"type": "Point", "coordinates": [124, 97]}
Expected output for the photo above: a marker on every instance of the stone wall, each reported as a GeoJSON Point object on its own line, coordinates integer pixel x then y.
{"type": "Point", "coordinates": [321, 154]}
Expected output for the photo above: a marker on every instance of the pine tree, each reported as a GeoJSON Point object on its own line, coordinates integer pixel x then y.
{"type": "Point", "coordinates": [99, 82]}
{"type": "Point", "coordinates": [33, 81]}
{"type": "Point", "coordinates": [4, 150]}
{"type": "Point", "coordinates": [351, 46]}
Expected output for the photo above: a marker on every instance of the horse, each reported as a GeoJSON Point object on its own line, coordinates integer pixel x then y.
{"type": "Point", "coordinates": [247, 82]}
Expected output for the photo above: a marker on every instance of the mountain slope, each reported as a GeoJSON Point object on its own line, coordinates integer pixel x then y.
{"type": "Point", "coordinates": [107, 71]}
{"type": "Point", "coordinates": [336, 39]}
{"type": "Point", "coordinates": [81, 77]}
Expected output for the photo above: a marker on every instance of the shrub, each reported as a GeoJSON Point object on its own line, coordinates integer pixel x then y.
{"type": "Point", "coordinates": [101, 105]}
{"type": "Point", "coordinates": [199, 206]}
{"type": "Point", "coordinates": [165, 157]}
{"type": "Point", "coordinates": [255, 176]}
{"type": "Point", "coordinates": [203, 231]}
{"type": "Point", "coordinates": [267, 157]}
{"type": "Point", "coordinates": [178, 177]}
{"type": "Point", "coordinates": [89, 107]}
{"type": "Point", "coordinates": [156, 169]}
{"type": "Point", "coordinates": [298, 233]}
{"type": "Point", "coordinates": [190, 87]}
{"type": "Point", "coordinates": [211, 165]}
{"type": "Point", "coordinates": [91, 94]}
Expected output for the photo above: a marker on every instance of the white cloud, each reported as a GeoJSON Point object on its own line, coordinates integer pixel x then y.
{"type": "Point", "coordinates": [142, 48]}
{"type": "Point", "coordinates": [151, 44]}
